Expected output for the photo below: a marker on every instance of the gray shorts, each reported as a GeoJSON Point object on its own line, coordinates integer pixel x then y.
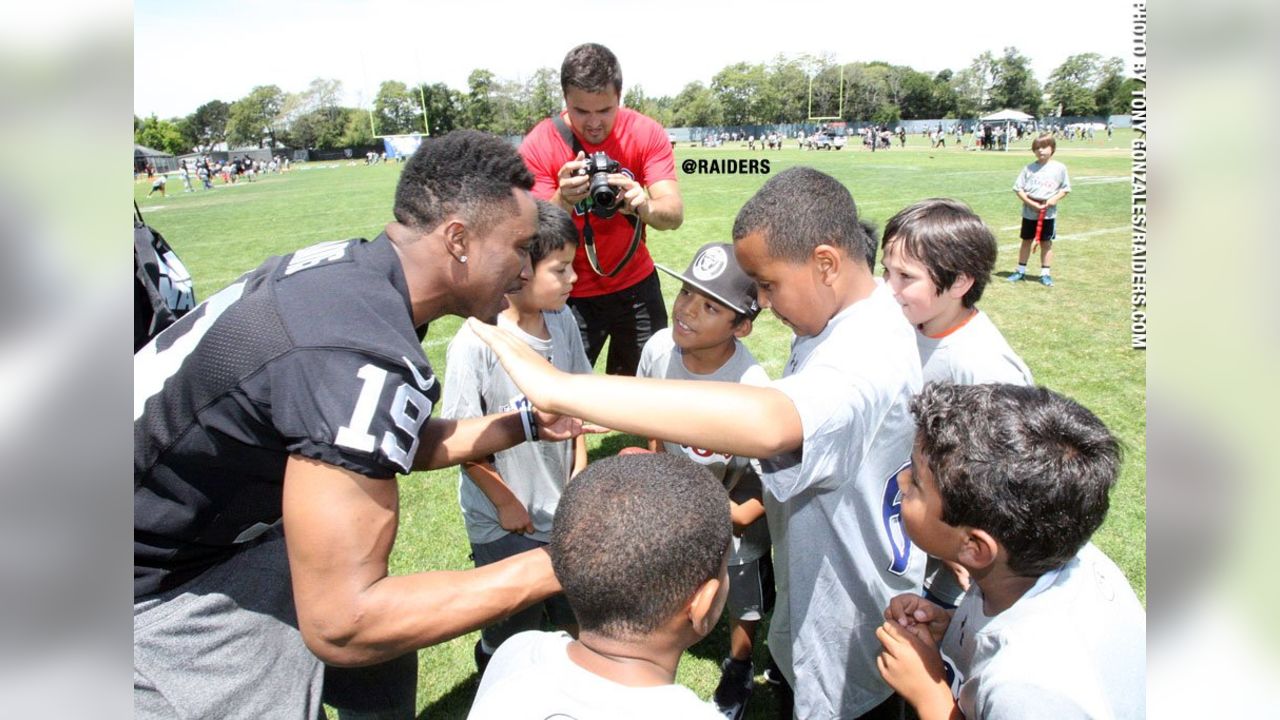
{"type": "Point", "coordinates": [556, 608]}
{"type": "Point", "coordinates": [751, 592]}
{"type": "Point", "coordinates": [226, 644]}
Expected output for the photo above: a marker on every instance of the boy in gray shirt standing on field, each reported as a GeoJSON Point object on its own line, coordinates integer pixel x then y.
{"type": "Point", "coordinates": [508, 502]}
{"type": "Point", "coordinates": [713, 310]}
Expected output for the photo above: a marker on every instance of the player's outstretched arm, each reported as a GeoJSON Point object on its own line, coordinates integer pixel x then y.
{"type": "Point", "coordinates": [445, 443]}
{"type": "Point", "coordinates": [340, 527]}
{"type": "Point", "coordinates": [913, 668]}
{"type": "Point", "coordinates": [735, 418]}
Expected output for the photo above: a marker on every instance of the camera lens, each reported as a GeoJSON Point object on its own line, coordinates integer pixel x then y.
{"type": "Point", "coordinates": [602, 193]}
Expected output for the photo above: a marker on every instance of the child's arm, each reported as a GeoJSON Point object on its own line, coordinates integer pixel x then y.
{"type": "Point", "coordinates": [727, 417]}
{"type": "Point", "coordinates": [745, 513]}
{"type": "Point", "coordinates": [1057, 197]}
{"type": "Point", "coordinates": [1029, 201]}
{"type": "Point", "coordinates": [655, 445]}
{"type": "Point", "coordinates": [579, 456]}
{"type": "Point", "coordinates": [913, 668]}
{"type": "Point", "coordinates": [512, 514]}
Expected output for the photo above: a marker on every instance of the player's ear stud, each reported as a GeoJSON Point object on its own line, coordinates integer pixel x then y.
{"type": "Point", "coordinates": [462, 259]}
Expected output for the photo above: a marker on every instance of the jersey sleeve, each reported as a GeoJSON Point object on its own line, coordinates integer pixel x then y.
{"type": "Point", "coordinates": [467, 365]}
{"type": "Point", "coordinates": [351, 409]}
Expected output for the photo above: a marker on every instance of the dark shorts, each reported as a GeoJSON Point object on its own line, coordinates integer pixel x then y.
{"type": "Point", "coordinates": [627, 319]}
{"type": "Point", "coordinates": [1046, 231]}
{"type": "Point", "coordinates": [751, 591]}
{"type": "Point", "coordinates": [556, 608]}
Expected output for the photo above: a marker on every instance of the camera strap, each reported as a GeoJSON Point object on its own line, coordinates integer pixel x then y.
{"type": "Point", "coordinates": [588, 235]}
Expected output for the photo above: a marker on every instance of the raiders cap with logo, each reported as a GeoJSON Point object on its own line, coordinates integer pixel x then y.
{"type": "Point", "coordinates": [715, 272]}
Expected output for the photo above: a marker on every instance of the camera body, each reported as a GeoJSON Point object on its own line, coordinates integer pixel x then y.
{"type": "Point", "coordinates": [604, 197]}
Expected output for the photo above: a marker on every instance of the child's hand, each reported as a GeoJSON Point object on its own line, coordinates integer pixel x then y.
{"type": "Point", "coordinates": [913, 668]}
{"type": "Point", "coordinates": [563, 427]}
{"type": "Point", "coordinates": [536, 378]}
{"type": "Point", "coordinates": [918, 616]}
{"type": "Point", "coordinates": [513, 517]}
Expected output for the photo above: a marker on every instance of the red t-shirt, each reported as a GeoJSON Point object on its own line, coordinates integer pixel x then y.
{"type": "Point", "coordinates": [641, 146]}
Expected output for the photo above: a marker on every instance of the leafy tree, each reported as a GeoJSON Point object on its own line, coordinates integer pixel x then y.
{"type": "Point", "coordinates": [697, 106]}
{"type": "Point", "coordinates": [445, 108]}
{"type": "Point", "coordinates": [1111, 96]}
{"type": "Point", "coordinates": [356, 130]}
{"type": "Point", "coordinates": [162, 135]}
{"type": "Point", "coordinates": [739, 87]}
{"type": "Point", "coordinates": [1015, 86]}
{"type": "Point", "coordinates": [788, 89]}
{"type": "Point", "coordinates": [1072, 84]}
{"type": "Point", "coordinates": [255, 115]}
{"type": "Point", "coordinates": [207, 126]}
{"type": "Point", "coordinates": [544, 96]}
{"type": "Point", "coordinates": [396, 110]}
{"type": "Point", "coordinates": [479, 108]}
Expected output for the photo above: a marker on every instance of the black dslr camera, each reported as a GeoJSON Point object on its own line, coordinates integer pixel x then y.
{"type": "Point", "coordinates": [604, 196]}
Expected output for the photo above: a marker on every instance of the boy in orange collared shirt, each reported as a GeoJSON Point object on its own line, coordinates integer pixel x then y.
{"type": "Point", "coordinates": [938, 257]}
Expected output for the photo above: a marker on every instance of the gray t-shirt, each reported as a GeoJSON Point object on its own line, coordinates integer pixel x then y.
{"type": "Point", "coordinates": [974, 354]}
{"type": "Point", "coordinates": [834, 506]}
{"type": "Point", "coordinates": [1073, 647]}
{"type": "Point", "coordinates": [477, 385]}
{"type": "Point", "coordinates": [1042, 182]}
{"type": "Point", "coordinates": [741, 476]}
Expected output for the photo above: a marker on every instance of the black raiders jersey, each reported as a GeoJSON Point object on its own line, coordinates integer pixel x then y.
{"type": "Point", "coordinates": [313, 354]}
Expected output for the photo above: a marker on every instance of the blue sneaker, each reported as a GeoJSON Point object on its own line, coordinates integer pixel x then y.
{"type": "Point", "coordinates": [1016, 276]}
{"type": "Point", "coordinates": [1046, 281]}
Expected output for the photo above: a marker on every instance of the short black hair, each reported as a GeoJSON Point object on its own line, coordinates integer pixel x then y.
{"type": "Point", "coordinates": [1027, 465]}
{"type": "Point", "coordinates": [801, 208]}
{"type": "Point", "coordinates": [591, 67]}
{"type": "Point", "coordinates": [949, 239]}
{"type": "Point", "coordinates": [555, 230]}
{"type": "Point", "coordinates": [466, 172]}
{"type": "Point", "coordinates": [633, 539]}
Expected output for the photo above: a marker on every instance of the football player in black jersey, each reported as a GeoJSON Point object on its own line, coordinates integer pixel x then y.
{"type": "Point", "coordinates": [298, 394]}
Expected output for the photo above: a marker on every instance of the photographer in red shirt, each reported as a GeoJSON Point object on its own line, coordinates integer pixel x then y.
{"type": "Point", "coordinates": [617, 295]}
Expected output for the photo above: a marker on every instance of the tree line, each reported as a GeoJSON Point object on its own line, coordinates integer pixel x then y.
{"type": "Point", "coordinates": [785, 90]}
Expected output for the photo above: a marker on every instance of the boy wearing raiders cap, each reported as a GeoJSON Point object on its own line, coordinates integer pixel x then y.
{"type": "Point", "coordinates": [712, 311]}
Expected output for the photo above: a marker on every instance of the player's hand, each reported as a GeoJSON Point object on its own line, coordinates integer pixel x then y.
{"type": "Point", "coordinates": [573, 184]}
{"type": "Point", "coordinates": [1050, 202]}
{"type": "Point", "coordinates": [913, 668]}
{"type": "Point", "coordinates": [538, 379]}
{"type": "Point", "coordinates": [916, 615]}
{"type": "Point", "coordinates": [514, 518]}
{"type": "Point", "coordinates": [633, 198]}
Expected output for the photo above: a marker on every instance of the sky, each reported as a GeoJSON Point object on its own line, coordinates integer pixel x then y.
{"type": "Point", "coordinates": [187, 53]}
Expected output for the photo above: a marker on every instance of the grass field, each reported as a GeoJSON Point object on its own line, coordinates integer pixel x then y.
{"type": "Point", "coordinates": [1073, 336]}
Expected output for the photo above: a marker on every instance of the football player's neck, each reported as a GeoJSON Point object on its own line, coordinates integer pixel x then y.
{"type": "Point", "coordinates": [530, 320]}
{"type": "Point", "coordinates": [429, 271]}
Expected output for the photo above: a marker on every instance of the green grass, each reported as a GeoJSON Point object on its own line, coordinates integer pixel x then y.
{"type": "Point", "coordinates": [1074, 336]}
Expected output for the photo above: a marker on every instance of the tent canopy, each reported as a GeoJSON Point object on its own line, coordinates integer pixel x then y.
{"type": "Point", "coordinates": [144, 151]}
{"type": "Point", "coordinates": [1007, 114]}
